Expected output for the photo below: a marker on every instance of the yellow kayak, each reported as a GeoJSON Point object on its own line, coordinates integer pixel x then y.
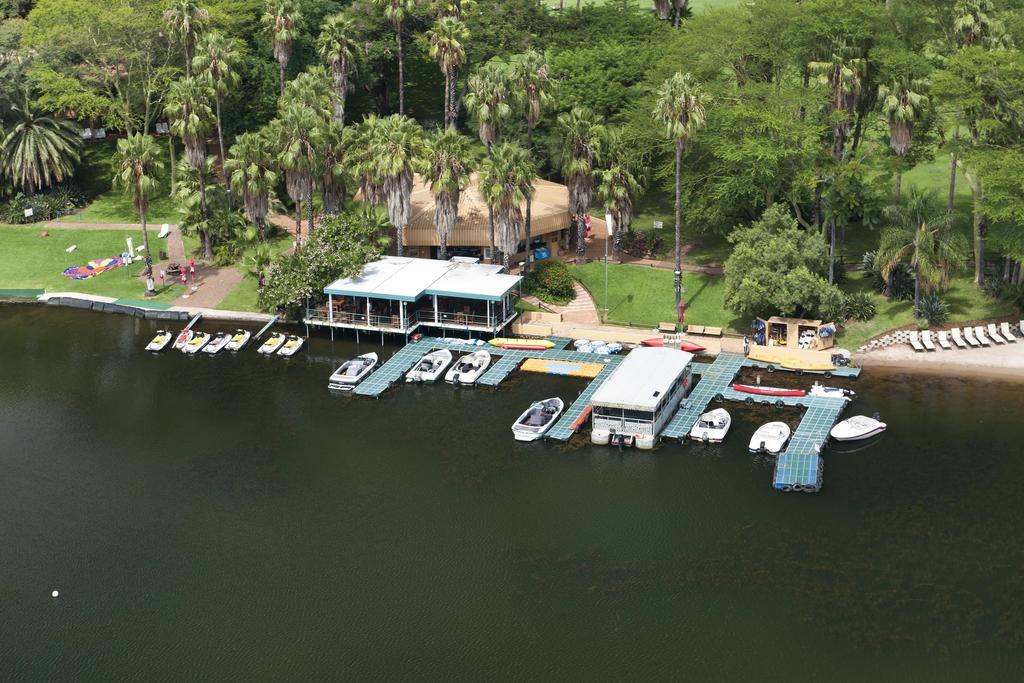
{"type": "Point", "coordinates": [522, 344]}
{"type": "Point", "coordinates": [789, 361]}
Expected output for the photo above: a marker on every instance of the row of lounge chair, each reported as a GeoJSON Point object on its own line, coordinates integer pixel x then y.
{"type": "Point", "coordinates": [967, 337]}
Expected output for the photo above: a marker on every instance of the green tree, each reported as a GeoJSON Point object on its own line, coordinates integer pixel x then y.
{"type": "Point", "coordinates": [185, 19]}
{"type": "Point", "coordinates": [446, 163]}
{"type": "Point", "coordinates": [252, 169]}
{"type": "Point", "coordinates": [506, 180]}
{"type": "Point", "coordinates": [136, 163]}
{"type": "Point", "coordinates": [529, 75]}
{"type": "Point", "coordinates": [582, 134]}
{"type": "Point", "coordinates": [447, 46]}
{"type": "Point", "coordinates": [902, 105]}
{"type": "Point", "coordinates": [397, 146]}
{"type": "Point", "coordinates": [396, 12]}
{"type": "Point", "coordinates": [38, 150]}
{"type": "Point", "coordinates": [338, 46]}
{"type": "Point", "coordinates": [487, 99]}
{"type": "Point", "coordinates": [188, 106]}
{"type": "Point", "coordinates": [617, 183]}
{"type": "Point", "coordinates": [680, 110]}
{"type": "Point", "coordinates": [334, 144]}
{"type": "Point", "coordinates": [216, 62]}
{"type": "Point", "coordinates": [282, 17]}
{"type": "Point", "coordinates": [924, 236]}
{"type": "Point", "coordinates": [294, 133]}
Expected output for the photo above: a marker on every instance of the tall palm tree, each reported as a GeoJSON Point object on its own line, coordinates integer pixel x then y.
{"type": "Point", "coordinates": [617, 184]}
{"type": "Point", "coordinates": [396, 12]}
{"type": "Point", "coordinates": [363, 163]}
{"type": "Point", "coordinates": [338, 46]}
{"type": "Point", "coordinates": [488, 97]}
{"type": "Point", "coordinates": [446, 164]}
{"type": "Point", "coordinates": [397, 145]}
{"type": "Point", "coordinates": [843, 74]}
{"type": "Point", "coordinates": [531, 79]}
{"type": "Point", "coordinates": [216, 62]}
{"type": "Point", "coordinates": [334, 144]}
{"type": "Point", "coordinates": [37, 150]}
{"type": "Point", "coordinates": [451, 8]}
{"type": "Point", "coordinates": [295, 130]}
{"type": "Point", "coordinates": [974, 23]}
{"type": "Point", "coordinates": [312, 89]}
{"type": "Point", "coordinates": [283, 18]}
{"type": "Point", "coordinates": [506, 180]}
{"type": "Point", "coordinates": [188, 107]}
{"type": "Point", "coordinates": [447, 39]}
{"type": "Point", "coordinates": [252, 170]}
{"type": "Point", "coordinates": [136, 163]}
{"type": "Point", "coordinates": [681, 112]}
{"type": "Point", "coordinates": [185, 18]}
{"type": "Point", "coordinates": [582, 136]}
{"type": "Point", "coordinates": [925, 237]}
{"type": "Point", "coordinates": [902, 105]}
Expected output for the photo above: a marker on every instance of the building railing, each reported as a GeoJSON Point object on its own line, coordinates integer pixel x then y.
{"type": "Point", "coordinates": [386, 322]}
{"type": "Point", "coordinates": [456, 319]}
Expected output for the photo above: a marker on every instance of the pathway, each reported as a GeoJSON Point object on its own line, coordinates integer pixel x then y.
{"type": "Point", "coordinates": [581, 310]}
{"type": "Point", "coordinates": [211, 286]}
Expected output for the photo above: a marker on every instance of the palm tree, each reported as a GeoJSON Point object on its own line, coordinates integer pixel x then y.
{"type": "Point", "coordinates": [924, 236]}
{"type": "Point", "coordinates": [974, 24]}
{"type": "Point", "coordinates": [312, 89]}
{"type": "Point", "coordinates": [397, 145]}
{"type": "Point", "coordinates": [506, 181]}
{"type": "Point", "coordinates": [136, 163]}
{"type": "Point", "coordinates": [447, 39]}
{"type": "Point", "coordinates": [450, 8]}
{"type": "Point", "coordinates": [38, 150]}
{"type": "Point", "coordinates": [185, 18]}
{"type": "Point", "coordinates": [282, 17]}
{"type": "Point", "coordinates": [617, 184]}
{"type": "Point", "coordinates": [582, 136]}
{"type": "Point", "coordinates": [445, 165]}
{"type": "Point", "coordinates": [488, 96]}
{"type": "Point", "coordinates": [216, 62]}
{"type": "Point", "coordinates": [902, 106]}
{"type": "Point", "coordinates": [188, 107]}
{"type": "Point", "coordinates": [295, 129]}
{"type": "Point", "coordinates": [334, 143]}
{"type": "Point", "coordinates": [843, 74]}
{"type": "Point", "coordinates": [339, 47]}
{"type": "Point", "coordinates": [252, 170]}
{"type": "Point", "coordinates": [680, 110]}
{"type": "Point", "coordinates": [531, 79]}
{"type": "Point", "coordinates": [362, 161]}
{"type": "Point", "coordinates": [396, 12]}
{"type": "Point", "coordinates": [259, 262]}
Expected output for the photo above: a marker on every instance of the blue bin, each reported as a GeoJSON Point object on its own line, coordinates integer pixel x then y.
{"type": "Point", "coordinates": [541, 253]}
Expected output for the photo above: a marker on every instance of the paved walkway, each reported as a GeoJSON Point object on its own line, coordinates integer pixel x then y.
{"type": "Point", "coordinates": [211, 286]}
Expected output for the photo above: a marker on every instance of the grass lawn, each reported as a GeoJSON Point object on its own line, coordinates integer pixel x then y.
{"type": "Point", "coordinates": [114, 206]}
{"type": "Point", "coordinates": [966, 303]}
{"type": "Point", "coordinates": [33, 262]}
{"type": "Point", "coordinates": [708, 249]}
{"type": "Point", "coordinates": [95, 176]}
{"type": "Point", "coordinates": [644, 296]}
{"type": "Point", "coordinates": [242, 297]}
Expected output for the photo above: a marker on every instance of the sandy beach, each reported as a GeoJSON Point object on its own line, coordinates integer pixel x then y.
{"type": "Point", "coordinates": [1003, 361]}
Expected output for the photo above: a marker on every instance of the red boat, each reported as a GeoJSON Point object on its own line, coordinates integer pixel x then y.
{"type": "Point", "coordinates": [656, 341]}
{"type": "Point", "coordinates": [768, 391]}
{"type": "Point", "coordinates": [683, 346]}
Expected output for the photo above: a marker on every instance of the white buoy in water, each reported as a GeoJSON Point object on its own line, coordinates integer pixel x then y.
{"type": "Point", "coordinates": [55, 594]}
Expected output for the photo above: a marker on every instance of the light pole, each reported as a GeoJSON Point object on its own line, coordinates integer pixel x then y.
{"type": "Point", "coordinates": [610, 226]}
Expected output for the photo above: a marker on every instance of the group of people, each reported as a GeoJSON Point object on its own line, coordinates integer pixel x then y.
{"type": "Point", "coordinates": [187, 273]}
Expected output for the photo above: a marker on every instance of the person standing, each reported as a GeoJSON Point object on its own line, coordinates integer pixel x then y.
{"type": "Point", "coordinates": [192, 269]}
{"type": "Point", "coordinates": [184, 277]}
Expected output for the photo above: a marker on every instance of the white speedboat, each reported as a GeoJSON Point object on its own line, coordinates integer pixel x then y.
{"type": "Point", "coordinates": [712, 426]}
{"type": "Point", "coordinates": [856, 428]}
{"type": "Point", "coordinates": [291, 346]}
{"type": "Point", "coordinates": [467, 370]}
{"type": "Point", "coordinates": [352, 372]}
{"type": "Point", "coordinates": [273, 343]}
{"type": "Point", "coordinates": [430, 367]}
{"type": "Point", "coordinates": [160, 341]}
{"type": "Point", "coordinates": [238, 340]}
{"type": "Point", "coordinates": [830, 392]}
{"type": "Point", "coordinates": [184, 337]}
{"type": "Point", "coordinates": [219, 341]}
{"type": "Point", "coordinates": [197, 342]}
{"type": "Point", "coordinates": [537, 419]}
{"type": "Point", "coordinates": [770, 438]}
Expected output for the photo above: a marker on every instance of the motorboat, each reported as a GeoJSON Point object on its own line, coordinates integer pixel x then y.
{"type": "Point", "coordinates": [430, 367]}
{"type": "Point", "coordinates": [712, 426]}
{"type": "Point", "coordinates": [467, 370]}
{"type": "Point", "coordinates": [856, 428]}
{"type": "Point", "coordinates": [238, 340]}
{"type": "Point", "coordinates": [273, 343]}
{"type": "Point", "coordinates": [291, 346]}
{"type": "Point", "coordinates": [160, 341]}
{"type": "Point", "coordinates": [830, 392]}
{"type": "Point", "coordinates": [217, 343]}
{"type": "Point", "coordinates": [184, 337]}
{"type": "Point", "coordinates": [352, 372]}
{"type": "Point", "coordinates": [770, 438]}
{"type": "Point", "coordinates": [197, 342]}
{"type": "Point", "coordinates": [767, 391]}
{"type": "Point", "coordinates": [522, 344]}
{"type": "Point", "coordinates": [537, 419]}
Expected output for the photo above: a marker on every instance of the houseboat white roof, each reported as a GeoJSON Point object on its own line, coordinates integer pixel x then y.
{"type": "Point", "coordinates": [408, 279]}
{"type": "Point", "coordinates": [642, 378]}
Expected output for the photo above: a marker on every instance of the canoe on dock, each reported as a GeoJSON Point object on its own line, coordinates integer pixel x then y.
{"type": "Point", "coordinates": [522, 344]}
{"type": "Point", "coordinates": [768, 391]}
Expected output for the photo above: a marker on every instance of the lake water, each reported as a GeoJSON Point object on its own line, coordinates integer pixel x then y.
{"type": "Point", "coordinates": [229, 518]}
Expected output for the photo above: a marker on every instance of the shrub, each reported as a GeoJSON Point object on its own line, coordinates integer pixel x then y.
{"type": "Point", "coordinates": [859, 306]}
{"type": "Point", "coordinates": [550, 281]}
{"type": "Point", "coordinates": [832, 305]}
{"type": "Point", "coordinates": [996, 288]}
{"type": "Point", "coordinates": [640, 243]}
{"type": "Point", "coordinates": [933, 309]}
{"type": "Point", "coordinates": [56, 201]}
{"type": "Point", "coordinates": [867, 263]}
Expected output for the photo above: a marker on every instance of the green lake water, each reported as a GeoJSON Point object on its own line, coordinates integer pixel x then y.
{"type": "Point", "coordinates": [229, 518]}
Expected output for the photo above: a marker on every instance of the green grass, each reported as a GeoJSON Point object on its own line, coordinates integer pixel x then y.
{"type": "Point", "coordinates": [109, 205]}
{"type": "Point", "coordinates": [242, 297]}
{"type": "Point", "coordinates": [30, 261]}
{"type": "Point", "coordinates": [706, 249]}
{"type": "Point", "coordinates": [966, 303]}
{"type": "Point", "coordinates": [644, 296]}
{"type": "Point", "coordinates": [114, 206]}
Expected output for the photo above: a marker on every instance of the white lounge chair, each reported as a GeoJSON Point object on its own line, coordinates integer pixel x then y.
{"type": "Point", "coordinates": [994, 335]}
{"type": "Point", "coordinates": [943, 337]}
{"type": "Point", "coordinates": [926, 339]}
{"type": "Point", "coordinates": [165, 230]}
{"type": "Point", "coordinates": [979, 332]}
{"type": "Point", "coordinates": [957, 338]}
{"type": "Point", "coordinates": [915, 342]}
{"type": "Point", "coordinates": [1007, 332]}
{"type": "Point", "coordinates": [969, 336]}
{"type": "Point", "coordinates": [1022, 326]}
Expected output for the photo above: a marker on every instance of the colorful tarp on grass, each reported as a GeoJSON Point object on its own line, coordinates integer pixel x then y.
{"type": "Point", "coordinates": [93, 268]}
